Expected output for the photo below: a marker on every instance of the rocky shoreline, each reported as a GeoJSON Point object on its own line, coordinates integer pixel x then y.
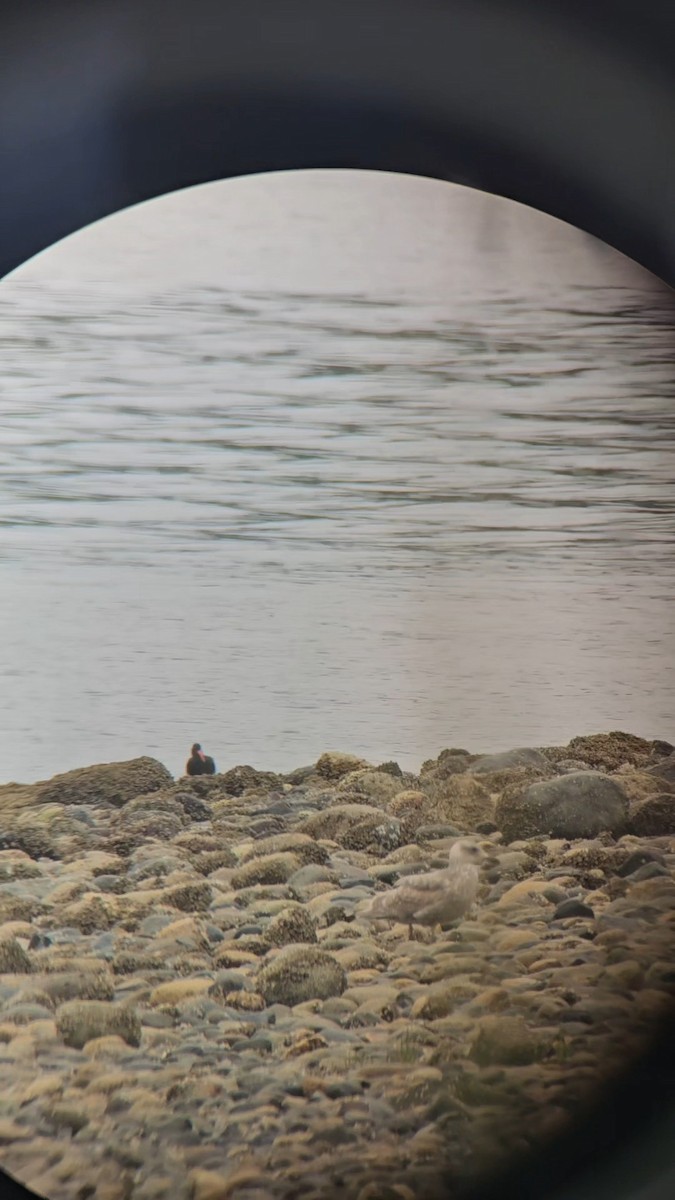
{"type": "Point", "coordinates": [191, 1009]}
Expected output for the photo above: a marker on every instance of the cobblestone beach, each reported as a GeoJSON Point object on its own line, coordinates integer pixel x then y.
{"type": "Point", "coordinates": [191, 1007]}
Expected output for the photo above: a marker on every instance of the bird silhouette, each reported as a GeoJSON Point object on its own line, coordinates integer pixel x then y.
{"type": "Point", "coordinates": [200, 763]}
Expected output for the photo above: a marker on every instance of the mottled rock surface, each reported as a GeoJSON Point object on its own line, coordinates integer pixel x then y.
{"type": "Point", "coordinates": [193, 1005]}
{"type": "Point", "coordinates": [109, 783]}
{"type": "Point", "coordinates": [579, 805]}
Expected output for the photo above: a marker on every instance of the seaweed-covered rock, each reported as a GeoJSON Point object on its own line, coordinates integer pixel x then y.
{"type": "Point", "coordinates": [53, 818]}
{"type": "Point", "coordinates": [101, 862]}
{"type": "Point", "coordinates": [497, 781]}
{"type": "Point", "coordinates": [390, 768]}
{"type": "Point", "coordinates": [661, 749]}
{"type": "Point", "coordinates": [449, 762]}
{"type": "Point", "coordinates": [638, 783]}
{"type": "Point", "coordinates": [565, 766]}
{"type": "Point", "coordinates": [188, 932]}
{"type": "Point", "coordinates": [332, 765]}
{"type": "Point", "coordinates": [590, 855]}
{"type": "Point", "coordinates": [155, 859]}
{"type": "Point", "coordinates": [189, 897]}
{"type": "Point", "coordinates": [506, 1041]}
{"type": "Point", "coordinates": [78, 1021]}
{"type": "Point", "coordinates": [665, 772]}
{"type": "Point", "coordinates": [194, 807]}
{"type": "Point", "coordinates": [122, 843]}
{"type": "Point", "coordinates": [61, 986]}
{"type": "Point", "coordinates": [300, 775]}
{"type": "Point", "coordinates": [375, 786]}
{"type": "Point", "coordinates": [412, 808]}
{"type": "Point", "coordinates": [355, 827]}
{"type": "Point", "coordinates": [14, 797]}
{"type": "Point", "coordinates": [24, 1002]}
{"type": "Point", "coordinates": [158, 826]}
{"type": "Point", "coordinates": [271, 868]}
{"type": "Point", "coordinates": [13, 958]}
{"type": "Point", "coordinates": [31, 839]}
{"type": "Point", "coordinates": [610, 750]}
{"type": "Point", "coordinates": [444, 997]}
{"type": "Point", "coordinates": [20, 908]}
{"type": "Point", "coordinates": [290, 926]}
{"type": "Point", "coordinates": [161, 801]}
{"type": "Point", "coordinates": [212, 860]}
{"type": "Point", "coordinates": [240, 780]}
{"type": "Point", "coordinates": [90, 913]}
{"type": "Point", "coordinates": [655, 816]}
{"type": "Point", "coordinates": [196, 842]}
{"type": "Point", "coordinates": [301, 845]}
{"type": "Point", "coordinates": [312, 879]}
{"type": "Point", "coordinates": [108, 783]}
{"type": "Point", "coordinates": [459, 799]}
{"type": "Point", "coordinates": [300, 973]}
{"type": "Point", "coordinates": [16, 864]}
{"type": "Point", "coordinates": [579, 805]}
{"type": "Point", "coordinates": [177, 991]}
{"type": "Point", "coordinates": [520, 757]}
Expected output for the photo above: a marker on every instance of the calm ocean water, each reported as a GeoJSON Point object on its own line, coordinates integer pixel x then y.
{"type": "Point", "coordinates": [279, 522]}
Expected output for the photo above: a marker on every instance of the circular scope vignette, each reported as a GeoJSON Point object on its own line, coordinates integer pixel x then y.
{"type": "Point", "coordinates": [337, 776]}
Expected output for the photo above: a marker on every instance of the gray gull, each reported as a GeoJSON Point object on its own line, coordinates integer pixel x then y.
{"type": "Point", "coordinates": [434, 898]}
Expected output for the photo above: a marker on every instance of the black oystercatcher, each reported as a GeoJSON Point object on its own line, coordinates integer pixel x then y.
{"type": "Point", "coordinates": [200, 763]}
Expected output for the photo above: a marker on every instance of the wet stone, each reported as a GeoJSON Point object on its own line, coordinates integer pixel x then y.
{"type": "Point", "coordinates": [115, 884]}
{"type": "Point", "coordinates": [649, 870]}
{"type": "Point", "coordinates": [157, 1020]}
{"type": "Point", "coordinates": [638, 859]}
{"type": "Point", "coordinates": [155, 923]}
{"type": "Point", "coordinates": [572, 908]}
{"type": "Point", "coordinates": [228, 981]}
{"type": "Point", "coordinates": [433, 832]}
{"type": "Point", "coordinates": [246, 1070]}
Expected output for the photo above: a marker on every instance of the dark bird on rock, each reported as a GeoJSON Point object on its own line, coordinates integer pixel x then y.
{"type": "Point", "coordinates": [200, 763]}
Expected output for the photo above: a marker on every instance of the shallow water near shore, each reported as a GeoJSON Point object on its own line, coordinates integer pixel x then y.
{"type": "Point", "coordinates": [277, 520]}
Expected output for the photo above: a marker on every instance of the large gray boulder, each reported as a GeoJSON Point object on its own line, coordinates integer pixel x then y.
{"type": "Point", "coordinates": [580, 805]}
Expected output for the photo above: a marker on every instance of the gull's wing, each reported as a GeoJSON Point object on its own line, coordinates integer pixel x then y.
{"type": "Point", "coordinates": [394, 904]}
{"type": "Point", "coordinates": [446, 879]}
